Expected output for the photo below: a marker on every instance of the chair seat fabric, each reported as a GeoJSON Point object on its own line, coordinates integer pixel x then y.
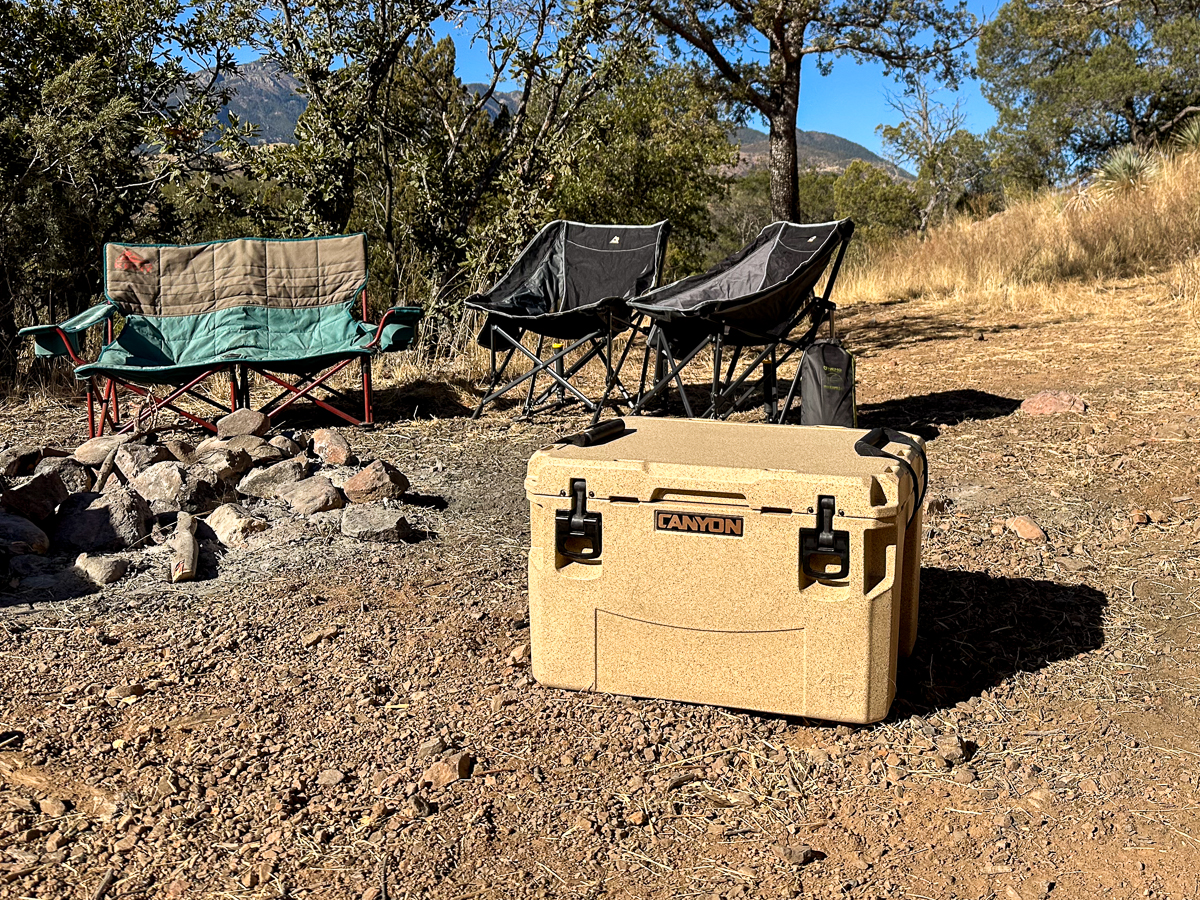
{"type": "Point", "coordinates": [761, 286]}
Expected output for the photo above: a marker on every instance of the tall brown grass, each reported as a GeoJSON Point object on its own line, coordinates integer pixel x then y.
{"type": "Point", "coordinates": [1050, 250]}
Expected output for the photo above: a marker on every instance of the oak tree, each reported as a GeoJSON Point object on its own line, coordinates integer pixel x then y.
{"type": "Point", "coordinates": [909, 37]}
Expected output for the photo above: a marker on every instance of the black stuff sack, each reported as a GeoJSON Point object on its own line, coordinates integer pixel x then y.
{"type": "Point", "coordinates": [827, 385]}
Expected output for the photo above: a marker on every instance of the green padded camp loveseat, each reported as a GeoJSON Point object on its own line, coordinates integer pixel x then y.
{"type": "Point", "coordinates": [284, 309]}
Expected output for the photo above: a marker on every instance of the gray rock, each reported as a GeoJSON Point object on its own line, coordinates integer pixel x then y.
{"type": "Point", "coordinates": [331, 778]}
{"type": "Point", "coordinates": [339, 475]}
{"type": "Point", "coordinates": [378, 481]}
{"type": "Point", "coordinates": [24, 458]}
{"type": "Point", "coordinates": [261, 453]}
{"type": "Point", "coordinates": [94, 452]}
{"type": "Point", "coordinates": [951, 748]}
{"type": "Point", "coordinates": [370, 522]}
{"type": "Point", "coordinates": [102, 570]}
{"type": "Point", "coordinates": [312, 495]}
{"type": "Point", "coordinates": [181, 450]}
{"type": "Point", "coordinates": [243, 421]}
{"type": "Point", "coordinates": [134, 459]}
{"type": "Point", "coordinates": [172, 486]}
{"type": "Point", "coordinates": [233, 525]}
{"type": "Point", "coordinates": [37, 498]}
{"type": "Point", "coordinates": [331, 447]}
{"type": "Point", "coordinates": [225, 463]}
{"type": "Point", "coordinates": [286, 445]}
{"type": "Point", "coordinates": [312, 638]}
{"type": "Point", "coordinates": [435, 746]}
{"type": "Point", "coordinates": [95, 522]}
{"type": "Point", "coordinates": [212, 442]}
{"type": "Point", "coordinates": [19, 530]}
{"type": "Point", "coordinates": [265, 455]}
{"type": "Point", "coordinates": [247, 442]}
{"type": "Point", "coordinates": [76, 477]}
{"type": "Point", "coordinates": [265, 483]}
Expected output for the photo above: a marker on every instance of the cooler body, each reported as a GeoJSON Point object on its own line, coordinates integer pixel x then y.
{"type": "Point", "coordinates": [759, 567]}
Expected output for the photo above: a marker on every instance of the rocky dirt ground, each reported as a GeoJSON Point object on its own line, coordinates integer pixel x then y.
{"type": "Point", "coordinates": [290, 724]}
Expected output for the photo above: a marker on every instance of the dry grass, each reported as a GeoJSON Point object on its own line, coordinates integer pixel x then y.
{"type": "Point", "coordinates": [1054, 251]}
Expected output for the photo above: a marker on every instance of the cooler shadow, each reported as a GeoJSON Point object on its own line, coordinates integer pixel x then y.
{"type": "Point", "coordinates": [925, 413]}
{"type": "Point", "coordinates": [976, 631]}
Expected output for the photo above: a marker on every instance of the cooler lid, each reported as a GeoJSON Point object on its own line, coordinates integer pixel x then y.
{"type": "Point", "coordinates": [778, 467]}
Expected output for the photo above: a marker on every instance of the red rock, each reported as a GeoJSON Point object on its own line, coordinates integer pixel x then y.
{"type": "Point", "coordinates": [449, 770]}
{"type": "Point", "coordinates": [1048, 403]}
{"type": "Point", "coordinates": [1025, 528]}
{"type": "Point", "coordinates": [378, 481]}
{"type": "Point", "coordinates": [331, 447]}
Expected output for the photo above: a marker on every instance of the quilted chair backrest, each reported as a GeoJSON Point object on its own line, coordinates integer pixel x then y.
{"type": "Point", "coordinates": [246, 298]}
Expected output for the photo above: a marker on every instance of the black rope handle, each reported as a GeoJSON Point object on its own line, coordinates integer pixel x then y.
{"type": "Point", "coordinates": [872, 444]}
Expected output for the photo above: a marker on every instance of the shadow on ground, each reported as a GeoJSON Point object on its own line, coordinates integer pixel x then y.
{"type": "Point", "coordinates": [924, 414]}
{"type": "Point", "coordinates": [868, 338]}
{"type": "Point", "coordinates": [976, 630]}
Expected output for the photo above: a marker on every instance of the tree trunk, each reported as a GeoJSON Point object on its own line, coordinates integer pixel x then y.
{"type": "Point", "coordinates": [785, 97]}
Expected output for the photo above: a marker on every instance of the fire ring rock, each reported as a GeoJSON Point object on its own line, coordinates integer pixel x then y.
{"type": "Point", "coordinates": [95, 522]}
{"type": "Point", "coordinates": [370, 522]}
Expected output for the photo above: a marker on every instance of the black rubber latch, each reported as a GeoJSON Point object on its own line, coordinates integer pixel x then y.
{"type": "Point", "coordinates": [824, 541]}
{"type": "Point", "coordinates": [578, 523]}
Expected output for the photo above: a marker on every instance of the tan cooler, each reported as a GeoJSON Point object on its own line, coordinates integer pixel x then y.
{"type": "Point", "coordinates": [763, 567]}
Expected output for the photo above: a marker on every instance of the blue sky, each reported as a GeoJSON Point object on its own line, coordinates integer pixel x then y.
{"type": "Point", "coordinates": [850, 102]}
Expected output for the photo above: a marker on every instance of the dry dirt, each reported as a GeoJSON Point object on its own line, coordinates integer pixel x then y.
{"type": "Point", "coordinates": [253, 767]}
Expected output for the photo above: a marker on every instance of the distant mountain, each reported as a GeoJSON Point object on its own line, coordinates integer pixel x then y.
{"type": "Point", "coordinates": [268, 98]}
{"type": "Point", "coordinates": [511, 99]}
{"type": "Point", "coordinates": [271, 99]}
{"type": "Point", "coordinates": [826, 152]}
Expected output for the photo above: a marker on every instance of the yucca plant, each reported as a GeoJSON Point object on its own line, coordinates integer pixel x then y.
{"type": "Point", "coordinates": [1186, 138]}
{"type": "Point", "coordinates": [1125, 169]}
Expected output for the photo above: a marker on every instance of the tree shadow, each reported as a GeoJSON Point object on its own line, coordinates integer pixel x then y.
{"type": "Point", "coordinates": [424, 399]}
{"type": "Point", "coordinates": [924, 414]}
{"type": "Point", "coordinates": [870, 338]}
{"type": "Point", "coordinates": [976, 630]}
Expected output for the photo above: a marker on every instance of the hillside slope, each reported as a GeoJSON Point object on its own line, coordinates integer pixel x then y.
{"type": "Point", "coordinates": [823, 151]}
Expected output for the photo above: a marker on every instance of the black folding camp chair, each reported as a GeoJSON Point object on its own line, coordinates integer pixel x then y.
{"type": "Point", "coordinates": [570, 286]}
{"type": "Point", "coordinates": [748, 306]}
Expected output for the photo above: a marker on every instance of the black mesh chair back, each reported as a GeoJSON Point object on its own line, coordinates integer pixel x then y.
{"type": "Point", "coordinates": [572, 284]}
{"type": "Point", "coordinates": [756, 297]}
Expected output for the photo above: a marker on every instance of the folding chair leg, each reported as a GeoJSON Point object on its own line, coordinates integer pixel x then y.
{"type": "Point", "coordinates": [716, 377]}
{"type": "Point", "coordinates": [496, 373]}
{"type": "Point", "coordinates": [533, 380]}
{"type": "Point", "coordinates": [368, 407]}
{"type": "Point", "coordinates": [91, 407]}
{"type": "Point", "coordinates": [614, 373]}
{"type": "Point", "coordinates": [770, 390]}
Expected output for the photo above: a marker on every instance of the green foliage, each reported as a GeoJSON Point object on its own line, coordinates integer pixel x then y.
{"type": "Point", "coordinates": [952, 164]}
{"type": "Point", "coordinates": [738, 216]}
{"type": "Point", "coordinates": [909, 37]}
{"type": "Point", "coordinates": [1187, 135]}
{"type": "Point", "coordinates": [1073, 81]}
{"type": "Point", "coordinates": [882, 208]}
{"type": "Point", "coordinates": [1125, 169]}
{"type": "Point", "coordinates": [98, 112]}
{"type": "Point", "coordinates": [649, 149]}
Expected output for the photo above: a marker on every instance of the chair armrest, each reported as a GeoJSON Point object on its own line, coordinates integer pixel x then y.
{"type": "Point", "coordinates": [395, 320]}
{"type": "Point", "coordinates": [62, 339]}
